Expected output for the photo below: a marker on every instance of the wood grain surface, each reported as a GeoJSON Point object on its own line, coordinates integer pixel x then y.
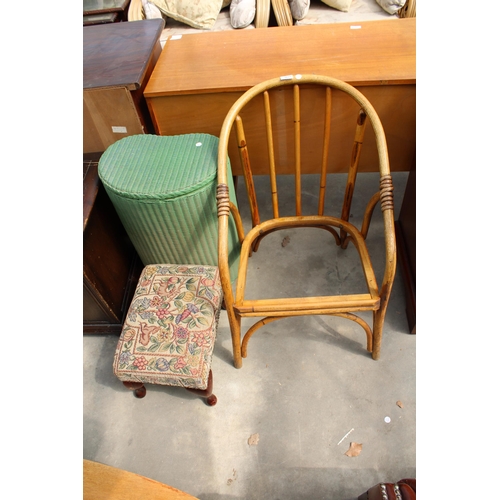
{"type": "Point", "coordinates": [102, 482]}
{"type": "Point", "coordinates": [365, 53]}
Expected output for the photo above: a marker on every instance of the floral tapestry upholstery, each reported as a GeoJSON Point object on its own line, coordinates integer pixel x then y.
{"type": "Point", "coordinates": [169, 333]}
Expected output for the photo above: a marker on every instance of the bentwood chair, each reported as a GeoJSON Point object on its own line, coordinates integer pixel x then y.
{"type": "Point", "coordinates": [281, 102]}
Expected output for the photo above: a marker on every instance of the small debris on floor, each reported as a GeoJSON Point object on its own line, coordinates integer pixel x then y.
{"type": "Point", "coordinates": [345, 436]}
{"type": "Point", "coordinates": [400, 404]}
{"type": "Point", "coordinates": [387, 420]}
{"type": "Point", "coordinates": [230, 480]}
{"type": "Point", "coordinates": [253, 440]}
{"type": "Point", "coordinates": [354, 450]}
{"type": "Point", "coordinates": [285, 241]}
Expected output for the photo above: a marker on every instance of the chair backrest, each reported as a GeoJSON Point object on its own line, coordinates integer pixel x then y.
{"type": "Point", "coordinates": [290, 112]}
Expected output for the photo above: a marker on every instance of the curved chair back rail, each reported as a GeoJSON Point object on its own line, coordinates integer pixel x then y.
{"type": "Point", "coordinates": [376, 298]}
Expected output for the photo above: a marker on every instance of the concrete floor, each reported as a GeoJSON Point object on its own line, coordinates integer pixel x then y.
{"type": "Point", "coordinates": [308, 388]}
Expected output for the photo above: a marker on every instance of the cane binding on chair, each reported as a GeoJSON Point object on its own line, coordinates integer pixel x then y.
{"type": "Point", "coordinates": [345, 306]}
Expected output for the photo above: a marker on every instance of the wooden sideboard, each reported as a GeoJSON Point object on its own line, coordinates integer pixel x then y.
{"type": "Point", "coordinates": [118, 60]}
{"type": "Point", "coordinates": [199, 76]}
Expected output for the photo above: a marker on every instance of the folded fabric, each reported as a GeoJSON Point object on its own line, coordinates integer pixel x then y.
{"type": "Point", "coordinates": [391, 6]}
{"type": "Point", "coordinates": [242, 13]}
{"type": "Point", "coordinates": [299, 8]}
{"type": "Point", "coordinates": [151, 11]}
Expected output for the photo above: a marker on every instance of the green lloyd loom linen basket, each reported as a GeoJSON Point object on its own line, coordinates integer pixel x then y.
{"type": "Point", "coordinates": [163, 189]}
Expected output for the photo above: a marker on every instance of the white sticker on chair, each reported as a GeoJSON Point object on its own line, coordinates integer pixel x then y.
{"type": "Point", "coordinates": [355, 27]}
{"type": "Point", "coordinates": [119, 130]}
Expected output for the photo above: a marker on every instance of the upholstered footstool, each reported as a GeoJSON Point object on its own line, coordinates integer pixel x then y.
{"type": "Point", "coordinates": [169, 333]}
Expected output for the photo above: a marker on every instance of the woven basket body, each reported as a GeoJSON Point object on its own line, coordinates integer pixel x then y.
{"type": "Point", "coordinates": [164, 191]}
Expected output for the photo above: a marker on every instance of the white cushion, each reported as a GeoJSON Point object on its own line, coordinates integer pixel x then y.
{"type": "Point", "coordinates": [391, 6]}
{"type": "Point", "coordinates": [299, 8]}
{"type": "Point", "coordinates": [151, 11]}
{"type": "Point", "coordinates": [242, 13]}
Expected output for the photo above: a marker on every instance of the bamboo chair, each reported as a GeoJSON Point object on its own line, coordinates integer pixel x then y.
{"type": "Point", "coordinates": [375, 299]}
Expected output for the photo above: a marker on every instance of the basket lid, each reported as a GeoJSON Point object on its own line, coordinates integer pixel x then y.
{"type": "Point", "coordinates": [159, 167]}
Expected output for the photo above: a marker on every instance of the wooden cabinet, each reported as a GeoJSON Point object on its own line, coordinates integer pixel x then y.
{"type": "Point", "coordinates": [118, 60]}
{"type": "Point", "coordinates": [199, 76]}
{"type": "Point", "coordinates": [104, 11]}
{"type": "Point", "coordinates": [406, 233]}
{"type": "Point", "coordinates": [111, 265]}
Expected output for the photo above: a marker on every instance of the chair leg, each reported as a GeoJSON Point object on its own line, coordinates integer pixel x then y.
{"type": "Point", "coordinates": [378, 325]}
{"type": "Point", "coordinates": [137, 387]}
{"type": "Point", "coordinates": [206, 393]}
{"type": "Point", "coordinates": [235, 327]}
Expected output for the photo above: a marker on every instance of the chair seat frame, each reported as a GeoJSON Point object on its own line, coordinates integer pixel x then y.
{"type": "Point", "coordinates": [375, 299]}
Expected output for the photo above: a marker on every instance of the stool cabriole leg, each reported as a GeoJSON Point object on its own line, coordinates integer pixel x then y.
{"type": "Point", "coordinates": [137, 387]}
{"type": "Point", "coordinates": [210, 398]}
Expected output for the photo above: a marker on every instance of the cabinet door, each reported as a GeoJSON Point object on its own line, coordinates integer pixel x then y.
{"type": "Point", "coordinates": [110, 268]}
{"type": "Point", "coordinates": [109, 114]}
{"type": "Point", "coordinates": [407, 248]}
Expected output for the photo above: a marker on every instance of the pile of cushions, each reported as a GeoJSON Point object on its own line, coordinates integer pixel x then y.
{"type": "Point", "coordinates": [390, 6]}
{"type": "Point", "coordinates": [242, 12]}
{"type": "Point", "coordinates": [203, 13]}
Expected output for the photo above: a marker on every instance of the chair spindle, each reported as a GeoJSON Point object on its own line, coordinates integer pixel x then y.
{"type": "Point", "coordinates": [326, 146]}
{"type": "Point", "coordinates": [270, 149]}
{"type": "Point", "coordinates": [353, 170]}
{"type": "Point", "coordinates": [296, 119]}
{"type": "Point", "coordinates": [247, 171]}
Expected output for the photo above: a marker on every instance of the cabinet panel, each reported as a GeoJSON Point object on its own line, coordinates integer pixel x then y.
{"type": "Point", "coordinates": [406, 233]}
{"type": "Point", "coordinates": [109, 114]}
{"type": "Point", "coordinates": [111, 265]}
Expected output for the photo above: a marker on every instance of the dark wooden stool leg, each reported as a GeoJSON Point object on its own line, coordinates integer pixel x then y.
{"type": "Point", "coordinates": [137, 387]}
{"type": "Point", "coordinates": [206, 393]}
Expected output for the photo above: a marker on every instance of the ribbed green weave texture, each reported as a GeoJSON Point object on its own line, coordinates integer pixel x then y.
{"type": "Point", "coordinates": [163, 189]}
